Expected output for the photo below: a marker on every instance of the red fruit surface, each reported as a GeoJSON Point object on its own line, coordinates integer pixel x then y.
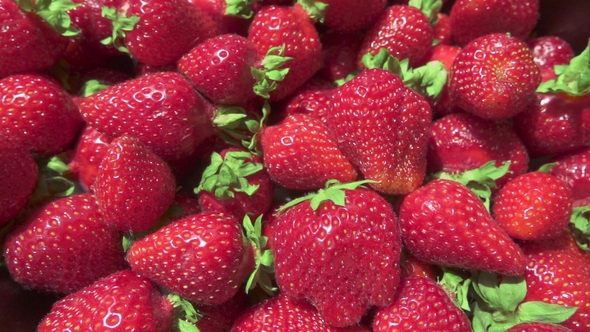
{"type": "Point", "coordinates": [340, 51]}
{"type": "Point", "coordinates": [312, 98]}
{"type": "Point", "coordinates": [63, 246]}
{"type": "Point", "coordinates": [549, 51]}
{"type": "Point", "coordinates": [537, 327]}
{"type": "Point", "coordinates": [89, 152]}
{"type": "Point", "coordinates": [352, 15]}
{"type": "Point", "coordinates": [572, 168]}
{"type": "Point", "coordinates": [18, 175]}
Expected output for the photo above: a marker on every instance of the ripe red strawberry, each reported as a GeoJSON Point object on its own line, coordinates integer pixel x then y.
{"type": "Point", "coordinates": [63, 246]}
{"type": "Point", "coordinates": [18, 175]}
{"type": "Point", "coordinates": [89, 152]}
{"type": "Point", "coordinates": [533, 206]}
{"type": "Point", "coordinates": [288, 32]}
{"type": "Point", "coordinates": [381, 126]}
{"type": "Point", "coordinates": [471, 19]}
{"type": "Point", "coordinates": [220, 318]}
{"type": "Point", "coordinates": [444, 223]}
{"type": "Point", "coordinates": [220, 69]}
{"type": "Point", "coordinates": [326, 251]}
{"type": "Point", "coordinates": [421, 302]}
{"type": "Point", "coordinates": [554, 274]}
{"type": "Point", "coordinates": [229, 16]}
{"type": "Point", "coordinates": [300, 153]}
{"type": "Point", "coordinates": [237, 183]}
{"type": "Point", "coordinates": [200, 257]}
{"type": "Point", "coordinates": [133, 186]}
{"type": "Point", "coordinates": [441, 30]}
{"type": "Point", "coordinates": [538, 327]}
{"type": "Point", "coordinates": [445, 54]}
{"type": "Point", "coordinates": [413, 267]}
{"type": "Point", "coordinates": [312, 98]}
{"type": "Point", "coordinates": [340, 51]}
{"type": "Point", "coordinates": [121, 301]}
{"type": "Point", "coordinates": [37, 113]}
{"type": "Point", "coordinates": [460, 142]}
{"type": "Point", "coordinates": [549, 51]}
{"type": "Point", "coordinates": [405, 31]}
{"type": "Point", "coordinates": [162, 110]}
{"type": "Point", "coordinates": [572, 168]}
{"type": "Point", "coordinates": [281, 311]}
{"type": "Point", "coordinates": [494, 77]}
{"type": "Point", "coordinates": [351, 15]}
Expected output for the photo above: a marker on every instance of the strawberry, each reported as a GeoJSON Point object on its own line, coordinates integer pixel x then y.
{"type": "Point", "coordinates": [18, 174]}
{"type": "Point", "coordinates": [405, 31]}
{"type": "Point", "coordinates": [494, 77]}
{"type": "Point", "coordinates": [133, 186]}
{"type": "Point", "coordinates": [444, 223]}
{"type": "Point", "coordinates": [421, 302]}
{"type": "Point", "coordinates": [220, 68]}
{"type": "Point", "coordinates": [445, 54]}
{"type": "Point", "coordinates": [299, 153]}
{"type": "Point", "coordinates": [200, 257]}
{"type": "Point", "coordinates": [237, 183]}
{"type": "Point", "coordinates": [325, 251]}
{"type": "Point", "coordinates": [538, 327]}
{"type": "Point", "coordinates": [63, 246]}
{"type": "Point", "coordinates": [533, 206]}
{"type": "Point", "coordinates": [121, 301]}
{"type": "Point", "coordinates": [37, 113]}
{"type": "Point", "coordinates": [340, 52]}
{"type": "Point", "coordinates": [571, 168]}
{"type": "Point", "coordinates": [229, 16]}
{"type": "Point", "coordinates": [280, 311]}
{"type": "Point", "coordinates": [460, 142]}
{"type": "Point", "coordinates": [162, 110]}
{"type": "Point", "coordinates": [286, 32]}
{"type": "Point", "coordinates": [89, 152]}
{"type": "Point", "coordinates": [442, 33]}
{"type": "Point", "coordinates": [549, 51]}
{"type": "Point", "coordinates": [381, 126]}
{"type": "Point", "coordinates": [554, 274]}
{"type": "Point", "coordinates": [413, 267]}
{"type": "Point", "coordinates": [471, 19]}
{"type": "Point", "coordinates": [351, 15]}
{"type": "Point", "coordinates": [312, 98]}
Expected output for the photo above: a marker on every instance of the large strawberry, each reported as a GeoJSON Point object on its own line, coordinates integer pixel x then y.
{"type": "Point", "coordinates": [381, 126]}
{"type": "Point", "coordinates": [122, 301]}
{"type": "Point", "coordinates": [18, 174]}
{"type": "Point", "coordinates": [133, 186]}
{"type": "Point", "coordinates": [494, 77]}
{"type": "Point", "coordinates": [37, 113]}
{"type": "Point", "coordinates": [340, 249]}
{"type": "Point", "coordinates": [444, 223]}
{"type": "Point", "coordinates": [64, 246]}
{"type": "Point", "coordinates": [162, 110]}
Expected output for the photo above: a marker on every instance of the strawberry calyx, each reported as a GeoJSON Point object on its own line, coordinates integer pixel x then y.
{"type": "Point", "coordinates": [239, 8]}
{"type": "Point", "coordinates": [315, 9]}
{"type": "Point", "coordinates": [187, 314]}
{"type": "Point", "coordinates": [333, 191]}
{"type": "Point", "coordinates": [121, 24]}
{"type": "Point", "coordinates": [91, 87]}
{"type": "Point", "coordinates": [227, 175]}
{"type": "Point", "coordinates": [235, 126]}
{"type": "Point", "coordinates": [480, 180]}
{"type": "Point", "coordinates": [573, 79]}
{"type": "Point", "coordinates": [457, 284]}
{"type": "Point", "coordinates": [54, 12]}
{"type": "Point", "coordinates": [580, 223]}
{"type": "Point", "coordinates": [264, 259]}
{"type": "Point", "coordinates": [271, 72]}
{"type": "Point", "coordinates": [499, 304]}
{"type": "Point", "coordinates": [55, 180]}
{"type": "Point", "coordinates": [430, 8]}
{"type": "Point", "coordinates": [546, 168]}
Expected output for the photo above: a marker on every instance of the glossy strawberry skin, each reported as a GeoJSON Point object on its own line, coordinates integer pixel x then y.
{"type": "Point", "coordinates": [444, 223]}
{"type": "Point", "coordinates": [533, 206]}
{"type": "Point", "coordinates": [162, 110]}
{"type": "Point", "coordinates": [471, 19]}
{"type": "Point", "coordinates": [37, 112]}
{"type": "Point", "coordinates": [404, 31]}
{"type": "Point", "coordinates": [220, 68]}
{"type": "Point", "coordinates": [133, 186]}
{"type": "Point", "coordinates": [18, 174]}
{"type": "Point", "coordinates": [421, 302]}
{"type": "Point", "coordinates": [537, 327]}
{"type": "Point", "coordinates": [29, 43]}
{"type": "Point", "coordinates": [88, 153]}
{"type": "Point", "coordinates": [311, 98]}
{"type": "Point", "coordinates": [64, 246]}
{"type": "Point", "coordinates": [299, 153]}
{"type": "Point", "coordinates": [351, 15]}
{"type": "Point", "coordinates": [203, 260]}
{"type": "Point", "coordinates": [330, 256]}
{"type": "Point", "coordinates": [340, 51]}
{"type": "Point", "coordinates": [494, 77]}
{"type": "Point", "coordinates": [381, 126]}
{"type": "Point", "coordinates": [572, 169]}
{"type": "Point", "coordinates": [119, 302]}
{"type": "Point", "coordinates": [549, 51]}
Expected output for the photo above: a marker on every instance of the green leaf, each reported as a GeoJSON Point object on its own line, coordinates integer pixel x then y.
{"type": "Point", "coordinates": [252, 144]}
{"type": "Point", "coordinates": [501, 293]}
{"type": "Point", "coordinates": [264, 259]}
{"type": "Point", "coordinates": [482, 319]}
{"type": "Point", "coordinates": [458, 285]}
{"type": "Point", "coordinates": [54, 12]}
{"type": "Point", "coordinates": [573, 79]}
{"type": "Point", "coordinates": [271, 73]}
{"type": "Point", "coordinates": [315, 9]}
{"type": "Point", "coordinates": [127, 242]}
{"type": "Point", "coordinates": [188, 310]}
{"type": "Point", "coordinates": [184, 326]}
{"type": "Point", "coordinates": [430, 8]}
{"type": "Point", "coordinates": [121, 24]}
{"type": "Point", "coordinates": [580, 221]}
{"type": "Point", "coordinates": [238, 8]}
{"type": "Point", "coordinates": [535, 311]}
{"type": "Point", "coordinates": [546, 168]}
{"type": "Point", "coordinates": [91, 87]}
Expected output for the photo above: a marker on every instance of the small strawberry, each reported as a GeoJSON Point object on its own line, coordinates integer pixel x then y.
{"type": "Point", "coordinates": [220, 68]}
{"type": "Point", "coordinates": [538, 327]}
{"type": "Point", "coordinates": [133, 186]}
{"type": "Point", "coordinates": [494, 77]}
{"type": "Point", "coordinates": [299, 153]}
{"type": "Point", "coordinates": [18, 174]}
{"type": "Point", "coordinates": [444, 223]}
{"type": "Point", "coordinates": [120, 302]}
{"type": "Point", "coordinates": [381, 126]}
{"type": "Point", "coordinates": [200, 257]}
{"type": "Point", "coordinates": [533, 206]}
{"type": "Point", "coordinates": [351, 15]}
{"type": "Point", "coordinates": [89, 152]}
{"type": "Point", "coordinates": [162, 110]}
{"type": "Point", "coordinates": [471, 19]}
{"type": "Point", "coordinates": [37, 113]}
{"type": "Point", "coordinates": [549, 51]}
{"type": "Point", "coordinates": [64, 246]}
{"type": "Point", "coordinates": [326, 251]}
{"type": "Point", "coordinates": [421, 302]}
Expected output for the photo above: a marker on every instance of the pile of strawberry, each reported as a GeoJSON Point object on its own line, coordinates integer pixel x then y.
{"type": "Point", "coordinates": [281, 165]}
